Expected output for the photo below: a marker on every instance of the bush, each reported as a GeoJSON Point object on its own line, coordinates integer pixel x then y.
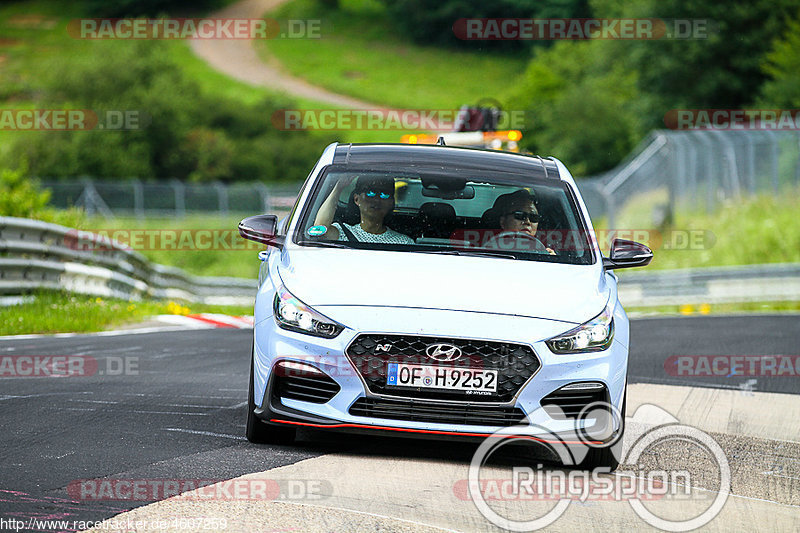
{"type": "Point", "coordinates": [782, 64]}
{"type": "Point", "coordinates": [578, 102]}
{"type": "Point", "coordinates": [129, 8]}
{"type": "Point", "coordinates": [22, 197]}
{"type": "Point", "coordinates": [432, 22]}
{"type": "Point", "coordinates": [185, 134]}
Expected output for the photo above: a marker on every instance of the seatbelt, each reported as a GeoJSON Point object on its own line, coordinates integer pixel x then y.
{"type": "Point", "coordinates": [348, 233]}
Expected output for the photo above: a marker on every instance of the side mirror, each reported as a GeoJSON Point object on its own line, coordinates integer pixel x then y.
{"type": "Point", "coordinates": [263, 229]}
{"type": "Point", "coordinates": [627, 254]}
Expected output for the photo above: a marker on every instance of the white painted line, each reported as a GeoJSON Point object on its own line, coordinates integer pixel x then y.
{"type": "Point", "coordinates": [110, 333]}
{"type": "Point", "coordinates": [193, 405]}
{"type": "Point", "coordinates": [169, 413]}
{"type": "Point", "coordinates": [183, 321]}
{"type": "Point", "coordinates": [178, 323]}
{"type": "Point", "coordinates": [207, 433]}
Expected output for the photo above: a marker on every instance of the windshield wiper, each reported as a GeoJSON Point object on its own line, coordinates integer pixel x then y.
{"type": "Point", "coordinates": [468, 253]}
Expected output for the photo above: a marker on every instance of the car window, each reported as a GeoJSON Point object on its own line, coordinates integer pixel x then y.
{"type": "Point", "coordinates": [440, 210]}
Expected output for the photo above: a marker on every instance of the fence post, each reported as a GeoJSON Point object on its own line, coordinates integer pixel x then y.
{"type": "Point", "coordinates": [797, 165]}
{"type": "Point", "coordinates": [91, 199]}
{"type": "Point", "coordinates": [222, 196]}
{"type": "Point", "coordinates": [138, 198]}
{"type": "Point", "coordinates": [733, 166]}
{"type": "Point", "coordinates": [774, 160]}
{"type": "Point", "coordinates": [263, 191]}
{"type": "Point", "coordinates": [179, 190]}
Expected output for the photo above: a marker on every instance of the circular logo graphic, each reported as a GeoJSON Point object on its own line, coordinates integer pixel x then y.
{"type": "Point", "coordinates": [316, 231]}
{"type": "Point", "coordinates": [635, 486]}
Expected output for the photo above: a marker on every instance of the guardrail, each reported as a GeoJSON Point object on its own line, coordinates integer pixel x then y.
{"type": "Point", "coordinates": [734, 284]}
{"type": "Point", "coordinates": [39, 255]}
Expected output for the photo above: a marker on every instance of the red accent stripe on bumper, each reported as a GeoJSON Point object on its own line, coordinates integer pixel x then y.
{"type": "Point", "coordinates": [432, 432]}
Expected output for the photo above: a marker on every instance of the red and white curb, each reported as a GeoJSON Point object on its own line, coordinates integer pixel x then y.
{"type": "Point", "coordinates": [207, 321]}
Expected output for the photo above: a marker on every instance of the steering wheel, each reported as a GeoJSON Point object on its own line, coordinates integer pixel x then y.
{"type": "Point", "coordinates": [529, 243]}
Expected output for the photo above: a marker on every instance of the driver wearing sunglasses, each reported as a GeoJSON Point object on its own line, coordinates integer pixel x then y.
{"type": "Point", "coordinates": [374, 197]}
{"type": "Point", "coordinates": [519, 215]}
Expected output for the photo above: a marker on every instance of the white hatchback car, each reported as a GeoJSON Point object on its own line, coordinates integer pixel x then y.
{"type": "Point", "coordinates": [438, 291]}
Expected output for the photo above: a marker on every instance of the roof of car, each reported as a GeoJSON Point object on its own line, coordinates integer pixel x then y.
{"type": "Point", "coordinates": [448, 156]}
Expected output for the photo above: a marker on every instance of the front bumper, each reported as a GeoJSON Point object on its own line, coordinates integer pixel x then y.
{"type": "Point", "coordinates": [274, 344]}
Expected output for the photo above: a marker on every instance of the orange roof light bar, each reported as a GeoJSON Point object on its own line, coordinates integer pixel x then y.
{"type": "Point", "coordinates": [466, 138]}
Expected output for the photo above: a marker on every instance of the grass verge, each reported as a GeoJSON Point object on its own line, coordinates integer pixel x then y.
{"type": "Point", "coordinates": [57, 312]}
{"type": "Point", "coordinates": [179, 242]}
{"type": "Point", "coordinates": [361, 54]}
{"type": "Point", "coordinates": [756, 230]}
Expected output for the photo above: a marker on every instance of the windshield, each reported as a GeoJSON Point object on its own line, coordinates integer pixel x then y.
{"type": "Point", "coordinates": [445, 211]}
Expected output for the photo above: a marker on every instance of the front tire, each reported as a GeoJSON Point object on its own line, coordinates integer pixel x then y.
{"type": "Point", "coordinates": [257, 431]}
{"type": "Point", "coordinates": [607, 456]}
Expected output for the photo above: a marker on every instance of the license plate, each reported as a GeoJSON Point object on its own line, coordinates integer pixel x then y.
{"type": "Point", "coordinates": [440, 377]}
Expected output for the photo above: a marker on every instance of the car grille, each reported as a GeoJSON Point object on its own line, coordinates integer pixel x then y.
{"type": "Point", "coordinates": [566, 404]}
{"type": "Point", "coordinates": [314, 389]}
{"type": "Point", "coordinates": [421, 411]}
{"type": "Point", "coordinates": [515, 364]}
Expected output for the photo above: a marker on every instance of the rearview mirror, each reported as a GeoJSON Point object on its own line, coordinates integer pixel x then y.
{"type": "Point", "coordinates": [263, 229]}
{"type": "Point", "coordinates": [627, 254]}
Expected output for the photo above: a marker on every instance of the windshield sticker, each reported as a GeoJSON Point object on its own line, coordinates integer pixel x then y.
{"type": "Point", "coordinates": [316, 231]}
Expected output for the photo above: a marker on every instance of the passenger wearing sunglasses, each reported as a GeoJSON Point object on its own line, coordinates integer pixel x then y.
{"type": "Point", "coordinates": [519, 220]}
{"type": "Point", "coordinates": [374, 197]}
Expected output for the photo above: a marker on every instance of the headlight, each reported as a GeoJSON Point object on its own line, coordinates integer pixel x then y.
{"type": "Point", "coordinates": [593, 336]}
{"type": "Point", "coordinates": [294, 315]}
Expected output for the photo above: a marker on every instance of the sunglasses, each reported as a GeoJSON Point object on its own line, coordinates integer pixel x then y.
{"type": "Point", "coordinates": [381, 195]}
{"type": "Point", "coordinates": [522, 215]}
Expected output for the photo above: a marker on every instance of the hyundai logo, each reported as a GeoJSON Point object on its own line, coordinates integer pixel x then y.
{"type": "Point", "coordinates": [443, 352]}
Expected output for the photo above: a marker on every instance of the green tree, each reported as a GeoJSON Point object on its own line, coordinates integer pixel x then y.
{"type": "Point", "coordinates": [128, 8]}
{"type": "Point", "coordinates": [723, 70]}
{"type": "Point", "coordinates": [182, 132]}
{"type": "Point", "coordinates": [782, 65]}
{"type": "Point", "coordinates": [20, 196]}
{"type": "Point", "coordinates": [581, 105]}
{"type": "Point", "coordinates": [432, 22]}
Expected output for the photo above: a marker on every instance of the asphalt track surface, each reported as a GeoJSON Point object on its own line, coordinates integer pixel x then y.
{"type": "Point", "coordinates": [179, 412]}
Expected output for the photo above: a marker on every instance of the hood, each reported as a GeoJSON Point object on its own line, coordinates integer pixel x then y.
{"type": "Point", "coordinates": [326, 277]}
